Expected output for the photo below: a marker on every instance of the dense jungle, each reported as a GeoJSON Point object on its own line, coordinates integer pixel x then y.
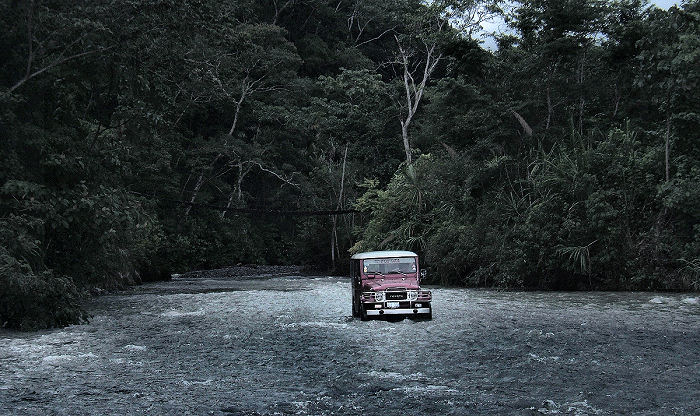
{"type": "Point", "coordinates": [555, 149]}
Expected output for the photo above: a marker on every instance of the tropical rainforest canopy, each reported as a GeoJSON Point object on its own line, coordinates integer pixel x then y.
{"type": "Point", "coordinates": [144, 137]}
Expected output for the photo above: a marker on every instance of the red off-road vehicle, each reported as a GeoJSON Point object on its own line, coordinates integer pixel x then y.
{"type": "Point", "coordinates": [387, 283]}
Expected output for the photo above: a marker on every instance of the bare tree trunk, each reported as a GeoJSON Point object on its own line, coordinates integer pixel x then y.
{"type": "Point", "coordinates": [238, 189]}
{"type": "Point", "coordinates": [581, 99]}
{"type": "Point", "coordinates": [30, 38]}
{"type": "Point", "coordinates": [550, 110]}
{"type": "Point", "coordinates": [197, 186]}
{"type": "Point", "coordinates": [279, 10]}
{"type": "Point", "coordinates": [342, 178]}
{"type": "Point", "coordinates": [239, 103]}
{"type": "Point", "coordinates": [239, 184]}
{"type": "Point", "coordinates": [580, 116]}
{"type": "Point", "coordinates": [406, 145]}
{"type": "Point", "coordinates": [550, 106]}
{"type": "Point", "coordinates": [617, 100]}
{"type": "Point", "coordinates": [414, 92]}
{"type": "Point", "coordinates": [199, 183]}
{"type": "Point", "coordinates": [333, 245]}
{"type": "Point", "coordinates": [228, 204]}
{"type": "Point", "coordinates": [668, 147]}
{"type": "Point", "coordinates": [337, 246]}
{"type": "Point", "coordinates": [184, 187]}
{"type": "Point", "coordinates": [334, 234]}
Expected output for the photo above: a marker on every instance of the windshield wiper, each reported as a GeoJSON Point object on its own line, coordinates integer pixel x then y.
{"type": "Point", "coordinates": [376, 273]}
{"type": "Point", "coordinates": [398, 271]}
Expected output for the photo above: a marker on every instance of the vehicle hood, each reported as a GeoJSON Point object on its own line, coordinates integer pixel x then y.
{"type": "Point", "coordinates": [388, 283]}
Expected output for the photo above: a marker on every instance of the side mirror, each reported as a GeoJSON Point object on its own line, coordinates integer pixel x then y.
{"type": "Point", "coordinates": [423, 273]}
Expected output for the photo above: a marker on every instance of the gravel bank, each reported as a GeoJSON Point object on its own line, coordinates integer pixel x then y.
{"type": "Point", "coordinates": [246, 271]}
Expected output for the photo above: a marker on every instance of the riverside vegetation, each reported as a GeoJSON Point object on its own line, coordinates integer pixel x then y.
{"type": "Point", "coordinates": [144, 137]}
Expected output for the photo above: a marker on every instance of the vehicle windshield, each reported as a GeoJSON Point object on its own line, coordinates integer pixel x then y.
{"type": "Point", "coordinates": [400, 265]}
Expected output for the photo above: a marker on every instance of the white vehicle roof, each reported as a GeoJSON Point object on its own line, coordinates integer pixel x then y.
{"type": "Point", "coordinates": [383, 254]}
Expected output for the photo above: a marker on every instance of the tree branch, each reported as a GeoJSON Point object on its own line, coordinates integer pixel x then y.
{"type": "Point", "coordinates": [55, 63]}
{"type": "Point", "coordinates": [275, 174]}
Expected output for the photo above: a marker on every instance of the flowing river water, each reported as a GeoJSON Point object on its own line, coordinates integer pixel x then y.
{"type": "Point", "coordinates": [288, 345]}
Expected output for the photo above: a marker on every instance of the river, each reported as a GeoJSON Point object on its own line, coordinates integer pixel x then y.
{"type": "Point", "coordinates": [288, 345]}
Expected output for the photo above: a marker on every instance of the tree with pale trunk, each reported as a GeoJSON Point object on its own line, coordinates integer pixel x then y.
{"type": "Point", "coordinates": [250, 60]}
{"type": "Point", "coordinates": [419, 50]}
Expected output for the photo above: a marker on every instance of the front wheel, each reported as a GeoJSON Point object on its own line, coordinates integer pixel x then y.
{"type": "Point", "coordinates": [355, 311]}
{"type": "Point", "coordinates": [363, 313]}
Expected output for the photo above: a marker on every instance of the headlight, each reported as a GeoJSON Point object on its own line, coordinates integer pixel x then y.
{"type": "Point", "coordinates": [412, 295]}
{"type": "Point", "coordinates": [379, 296]}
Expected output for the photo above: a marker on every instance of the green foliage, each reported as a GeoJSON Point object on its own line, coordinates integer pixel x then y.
{"type": "Point", "coordinates": [32, 296]}
{"type": "Point", "coordinates": [579, 217]}
{"type": "Point", "coordinates": [133, 131]}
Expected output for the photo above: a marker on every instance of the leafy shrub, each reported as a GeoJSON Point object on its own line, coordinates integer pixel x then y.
{"type": "Point", "coordinates": [32, 296]}
{"type": "Point", "coordinates": [575, 217]}
{"type": "Point", "coordinates": [31, 300]}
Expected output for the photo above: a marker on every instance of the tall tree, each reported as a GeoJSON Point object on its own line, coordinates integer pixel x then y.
{"type": "Point", "coordinates": [426, 31]}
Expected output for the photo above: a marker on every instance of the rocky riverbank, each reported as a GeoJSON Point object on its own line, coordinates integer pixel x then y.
{"type": "Point", "coordinates": [244, 271]}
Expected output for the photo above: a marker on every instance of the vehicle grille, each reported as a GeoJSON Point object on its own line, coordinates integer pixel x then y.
{"type": "Point", "coordinates": [395, 295]}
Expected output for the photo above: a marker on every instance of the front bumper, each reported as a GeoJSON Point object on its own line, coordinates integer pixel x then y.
{"type": "Point", "coordinates": [404, 311]}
